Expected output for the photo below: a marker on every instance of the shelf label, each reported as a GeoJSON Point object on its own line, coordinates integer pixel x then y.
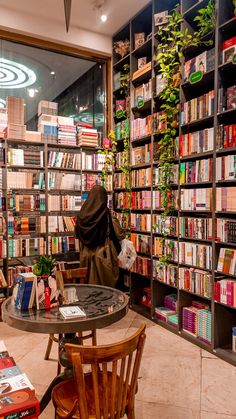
{"type": "Point", "coordinates": [119, 113]}
{"type": "Point", "coordinates": [234, 59]}
{"type": "Point", "coordinates": [195, 77]}
{"type": "Point", "coordinates": [140, 103]}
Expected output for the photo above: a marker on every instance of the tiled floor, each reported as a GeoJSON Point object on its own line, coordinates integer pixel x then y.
{"type": "Point", "coordinates": [177, 379]}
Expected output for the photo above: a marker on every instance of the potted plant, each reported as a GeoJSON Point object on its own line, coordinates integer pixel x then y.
{"type": "Point", "coordinates": [46, 288]}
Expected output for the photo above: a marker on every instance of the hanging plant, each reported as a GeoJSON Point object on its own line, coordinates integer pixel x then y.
{"type": "Point", "coordinates": [172, 43]}
{"type": "Point", "coordinates": [125, 168]}
{"type": "Point", "coordinates": [125, 80]}
{"type": "Point", "coordinates": [109, 151]}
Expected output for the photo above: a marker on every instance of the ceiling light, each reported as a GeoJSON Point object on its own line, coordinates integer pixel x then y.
{"type": "Point", "coordinates": [15, 75]}
{"type": "Point", "coordinates": [53, 73]}
{"type": "Point", "coordinates": [31, 92]}
{"type": "Point", "coordinates": [103, 18]}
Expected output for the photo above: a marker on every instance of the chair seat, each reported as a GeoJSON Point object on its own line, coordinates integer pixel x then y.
{"type": "Point", "coordinates": [65, 394]}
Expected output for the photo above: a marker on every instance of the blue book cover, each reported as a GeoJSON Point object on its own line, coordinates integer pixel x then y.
{"type": "Point", "coordinates": [9, 372]}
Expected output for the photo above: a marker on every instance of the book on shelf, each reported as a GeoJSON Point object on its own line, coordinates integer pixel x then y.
{"type": "Point", "coordinates": [141, 155]}
{"type": "Point", "coordinates": [226, 136]}
{"type": "Point", "coordinates": [195, 280]}
{"type": "Point", "coordinates": [147, 67]}
{"type": "Point", "coordinates": [196, 199]}
{"type": "Point", "coordinates": [141, 177]}
{"type": "Point", "coordinates": [226, 199]}
{"type": "Point", "coordinates": [142, 243]}
{"type": "Point", "coordinates": [71, 312]}
{"type": "Point", "coordinates": [196, 142]}
{"type": "Point", "coordinates": [226, 167]}
{"type": "Point", "coordinates": [227, 261]}
{"type": "Point", "coordinates": [167, 225]}
{"type": "Point", "coordinates": [225, 230]}
{"type": "Point", "coordinates": [139, 39]}
{"type": "Point", "coordinates": [141, 127]}
{"type": "Point", "coordinates": [25, 179]}
{"type": "Point", "coordinates": [142, 265]}
{"type": "Point", "coordinates": [204, 62]}
{"type": "Point", "coordinates": [196, 255]}
{"type": "Point", "coordinates": [46, 107]}
{"type": "Point", "coordinates": [166, 274]}
{"type": "Point", "coordinates": [158, 175]}
{"type": "Point", "coordinates": [59, 223]}
{"type": "Point", "coordinates": [196, 228]}
{"type": "Point", "coordinates": [228, 50]}
{"type": "Point", "coordinates": [195, 171]}
{"type": "Point", "coordinates": [27, 203]}
{"type": "Point", "coordinates": [197, 108]}
{"type": "Point", "coordinates": [21, 247]}
{"type": "Point", "coordinates": [63, 244]}
{"type": "Point", "coordinates": [142, 93]}
{"type": "Point", "coordinates": [122, 129]}
{"type": "Point", "coordinates": [161, 18]}
{"type": "Point", "coordinates": [140, 222]}
{"type": "Point", "coordinates": [225, 292]}
{"type": "Point", "coordinates": [64, 181]}
{"type": "Point", "coordinates": [197, 321]}
{"type": "Point", "coordinates": [64, 160]}
{"type": "Point", "coordinates": [226, 98]}
{"type": "Point", "coordinates": [167, 247]}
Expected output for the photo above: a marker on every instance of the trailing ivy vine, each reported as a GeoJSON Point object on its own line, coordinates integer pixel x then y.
{"type": "Point", "coordinates": [110, 155]}
{"type": "Point", "coordinates": [172, 43]}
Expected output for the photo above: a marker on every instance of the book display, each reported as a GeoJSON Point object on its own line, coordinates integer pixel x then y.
{"type": "Point", "coordinates": [45, 176]}
{"type": "Point", "coordinates": [193, 293]}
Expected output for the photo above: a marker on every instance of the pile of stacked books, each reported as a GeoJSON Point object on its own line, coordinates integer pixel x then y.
{"type": "Point", "coordinates": [169, 309]}
{"type": "Point", "coordinates": [17, 395]}
{"type": "Point", "coordinates": [196, 321]}
{"type": "Point", "coordinates": [87, 135]}
{"type": "Point", "coordinates": [66, 131]}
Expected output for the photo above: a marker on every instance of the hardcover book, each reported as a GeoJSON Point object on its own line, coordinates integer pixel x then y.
{"type": "Point", "coordinates": [71, 312]}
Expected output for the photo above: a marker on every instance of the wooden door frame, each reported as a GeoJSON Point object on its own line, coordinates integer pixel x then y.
{"type": "Point", "coordinates": [73, 51]}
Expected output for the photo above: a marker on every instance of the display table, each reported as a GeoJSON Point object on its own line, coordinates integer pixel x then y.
{"type": "Point", "coordinates": [102, 305]}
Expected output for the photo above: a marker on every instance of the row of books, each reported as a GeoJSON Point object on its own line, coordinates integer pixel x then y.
{"type": "Point", "coordinates": [25, 179]}
{"type": "Point", "coordinates": [141, 127]}
{"type": "Point", "coordinates": [26, 247]}
{"type": "Point", "coordinates": [225, 230]}
{"type": "Point", "coordinates": [15, 270]}
{"type": "Point", "coordinates": [168, 310]}
{"type": "Point", "coordinates": [122, 104]}
{"type": "Point", "coordinates": [194, 254]}
{"type": "Point", "coordinates": [141, 93]}
{"type": "Point", "coordinates": [141, 155]}
{"type": "Point", "coordinates": [227, 261]}
{"type": "Point", "coordinates": [165, 225]}
{"type": "Point", "coordinates": [27, 203]}
{"type": "Point", "coordinates": [140, 222]}
{"type": "Point", "coordinates": [197, 108]}
{"type": "Point", "coordinates": [17, 396]}
{"type": "Point", "coordinates": [226, 199]}
{"type": "Point", "coordinates": [61, 224]}
{"type": "Point", "coordinates": [120, 159]}
{"type": "Point", "coordinates": [119, 180]}
{"type": "Point", "coordinates": [143, 199]}
{"type": "Point", "coordinates": [195, 171]}
{"type": "Point", "coordinates": [158, 175]}
{"type": "Point", "coordinates": [204, 62]}
{"type": "Point", "coordinates": [64, 202]}
{"type": "Point", "coordinates": [66, 134]}
{"type": "Point", "coordinates": [64, 181]}
{"type": "Point", "coordinates": [142, 243]}
{"type": "Point", "coordinates": [226, 98]}
{"type": "Point", "coordinates": [228, 50]}
{"type": "Point", "coordinates": [92, 161]}
{"type": "Point", "coordinates": [196, 199]}
{"type": "Point", "coordinates": [226, 136]}
{"type": "Point", "coordinates": [196, 281]}
{"type": "Point", "coordinates": [25, 225]}
{"type": "Point", "coordinates": [167, 274]}
{"type": "Point", "coordinates": [3, 282]}
{"type": "Point", "coordinates": [141, 177]}
{"type": "Point", "coordinates": [196, 142]}
{"type": "Point", "coordinates": [225, 292]}
{"type": "Point", "coordinates": [64, 160]}
{"type": "Point", "coordinates": [196, 228]}
{"type": "Point", "coordinates": [25, 156]}
{"type": "Point", "coordinates": [63, 245]}
{"type": "Point", "coordinates": [122, 129]}
{"type": "Point", "coordinates": [167, 248]}
{"type": "Point", "coordinates": [142, 265]}
{"type": "Point", "coordinates": [226, 167]}
{"type": "Point", "coordinates": [197, 321]}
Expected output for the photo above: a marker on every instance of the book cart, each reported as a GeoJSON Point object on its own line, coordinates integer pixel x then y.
{"type": "Point", "coordinates": [194, 296]}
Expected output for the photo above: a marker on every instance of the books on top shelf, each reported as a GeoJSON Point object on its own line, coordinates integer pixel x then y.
{"type": "Point", "coordinates": [204, 62]}
{"type": "Point", "coordinates": [33, 136]}
{"type": "Point", "coordinates": [71, 312]}
{"type": "Point", "coordinates": [64, 160]}
{"type": "Point", "coordinates": [66, 130]}
{"type": "Point", "coordinates": [48, 108]}
{"type": "Point", "coordinates": [227, 261]}
{"type": "Point", "coordinates": [226, 199]}
{"type": "Point", "coordinates": [196, 142]}
{"type": "Point", "coordinates": [47, 126]}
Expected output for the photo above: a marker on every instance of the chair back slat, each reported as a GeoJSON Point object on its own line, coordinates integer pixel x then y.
{"type": "Point", "coordinates": [114, 375]}
{"type": "Point", "coordinates": [80, 381]}
{"type": "Point", "coordinates": [94, 367]}
{"type": "Point", "coordinates": [105, 390]}
{"type": "Point", "coordinates": [71, 276]}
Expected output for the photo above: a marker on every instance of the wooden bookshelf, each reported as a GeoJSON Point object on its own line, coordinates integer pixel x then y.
{"type": "Point", "coordinates": [221, 76]}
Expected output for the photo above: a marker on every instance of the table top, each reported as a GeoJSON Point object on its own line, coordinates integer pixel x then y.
{"type": "Point", "coordinates": [102, 305]}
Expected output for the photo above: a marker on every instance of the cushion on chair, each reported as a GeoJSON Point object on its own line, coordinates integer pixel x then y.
{"type": "Point", "coordinates": [65, 394]}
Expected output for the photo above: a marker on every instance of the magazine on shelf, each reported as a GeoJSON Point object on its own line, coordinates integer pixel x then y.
{"type": "Point", "coordinates": [71, 312]}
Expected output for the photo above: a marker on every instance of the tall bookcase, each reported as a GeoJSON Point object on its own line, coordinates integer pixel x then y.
{"type": "Point", "coordinates": [203, 185]}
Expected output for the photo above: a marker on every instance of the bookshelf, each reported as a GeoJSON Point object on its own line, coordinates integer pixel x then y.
{"type": "Point", "coordinates": [203, 235]}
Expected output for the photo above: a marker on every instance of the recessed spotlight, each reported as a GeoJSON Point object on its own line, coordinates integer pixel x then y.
{"type": "Point", "coordinates": [103, 18]}
{"type": "Point", "coordinates": [53, 73]}
{"type": "Point", "coordinates": [31, 92]}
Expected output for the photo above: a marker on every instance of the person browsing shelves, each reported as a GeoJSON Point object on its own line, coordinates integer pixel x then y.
{"type": "Point", "coordinates": [99, 233]}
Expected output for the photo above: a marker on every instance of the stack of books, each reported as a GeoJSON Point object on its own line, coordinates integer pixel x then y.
{"type": "Point", "coordinates": [87, 135]}
{"type": "Point", "coordinates": [47, 126]}
{"type": "Point", "coordinates": [196, 142]}
{"type": "Point", "coordinates": [196, 321]}
{"type": "Point", "coordinates": [66, 131]}
{"type": "Point", "coordinates": [48, 108]}
{"type": "Point", "coordinates": [15, 115]}
{"type": "Point", "coordinates": [33, 136]}
{"type": "Point", "coordinates": [195, 280]}
{"type": "Point", "coordinates": [63, 181]}
{"type": "Point", "coordinates": [3, 121]}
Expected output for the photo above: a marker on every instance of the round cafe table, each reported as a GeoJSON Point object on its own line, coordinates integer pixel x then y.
{"type": "Point", "coordinates": [102, 306]}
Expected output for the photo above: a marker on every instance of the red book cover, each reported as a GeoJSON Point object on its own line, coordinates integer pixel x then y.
{"type": "Point", "coordinates": [7, 362]}
{"type": "Point", "coordinates": [22, 402]}
{"type": "Point", "coordinates": [229, 43]}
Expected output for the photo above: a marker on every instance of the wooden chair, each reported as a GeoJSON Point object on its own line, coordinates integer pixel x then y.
{"type": "Point", "coordinates": [108, 389]}
{"type": "Point", "coordinates": [70, 276]}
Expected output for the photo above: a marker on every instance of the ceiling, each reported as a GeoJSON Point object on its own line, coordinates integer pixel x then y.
{"type": "Point", "coordinates": [83, 12]}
